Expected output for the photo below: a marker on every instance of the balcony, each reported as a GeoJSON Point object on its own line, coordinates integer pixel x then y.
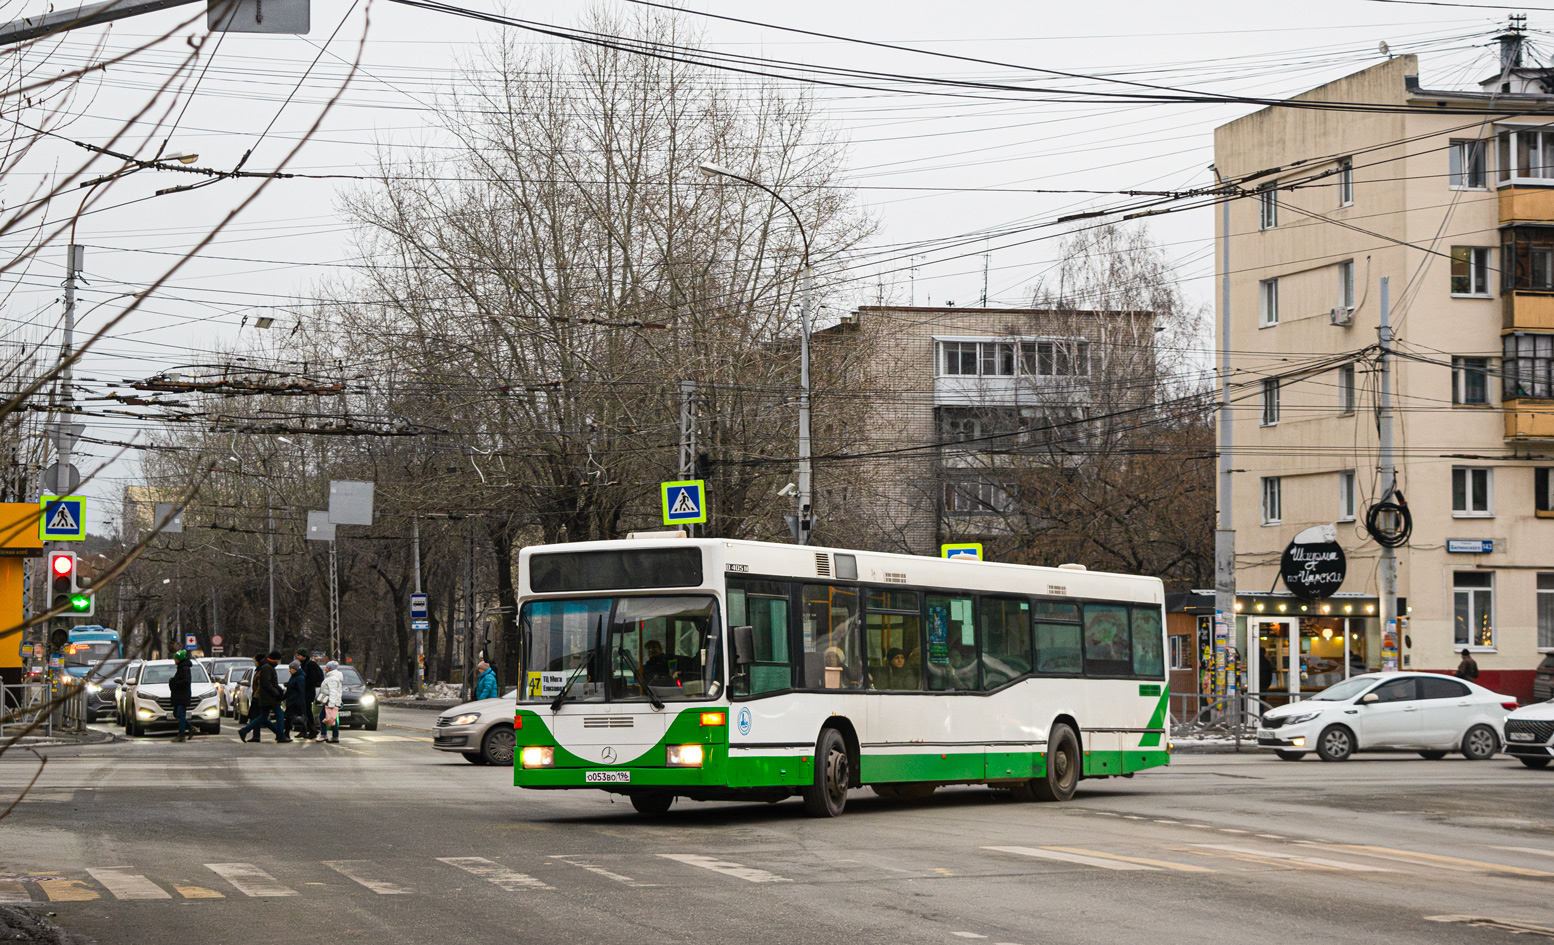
{"type": "Point", "coordinates": [1528, 419]}
{"type": "Point", "coordinates": [1527, 311]}
{"type": "Point", "coordinates": [1526, 205]}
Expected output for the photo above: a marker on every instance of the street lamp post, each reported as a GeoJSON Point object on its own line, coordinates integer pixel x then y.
{"type": "Point", "coordinates": [806, 286]}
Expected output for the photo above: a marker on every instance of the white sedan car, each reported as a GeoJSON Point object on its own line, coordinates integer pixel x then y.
{"type": "Point", "coordinates": [481, 731]}
{"type": "Point", "coordinates": [1529, 734]}
{"type": "Point", "coordinates": [1427, 712]}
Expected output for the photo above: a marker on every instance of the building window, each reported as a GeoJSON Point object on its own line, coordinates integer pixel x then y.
{"type": "Point", "coordinates": [1527, 259]}
{"type": "Point", "coordinates": [1270, 401]}
{"type": "Point", "coordinates": [1474, 610]}
{"type": "Point", "coordinates": [1267, 208]}
{"type": "Point", "coordinates": [1470, 270]}
{"type": "Point", "coordinates": [1346, 496]}
{"type": "Point", "coordinates": [1181, 648]}
{"type": "Point", "coordinates": [1472, 492]}
{"type": "Point", "coordinates": [1545, 611]}
{"type": "Point", "coordinates": [1526, 365]}
{"type": "Point", "coordinates": [1526, 156]}
{"type": "Point", "coordinates": [974, 497]}
{"type": "Point", "coordinates": [1542, 494]}
{"type": "Point", "coordinates": [1055, 358]}
{"type": "Point", "coordinates": [960, 357]}
{"type": "Point", "coordinates": [1470, 380]}
{"type": "Point", "coordinates": [1346, 389]}
{"type": "Point", "coordinates": [1272, 500]}
{"type": "Point", "coordinates": [1346, 182]}
{"type": "Point", "coordinates": [1006, 358]}
{"type": "Point", "coordinates": [1268, 302]}
{"type": "Point", "coordinates": [1467, 165]}
{"type": "Point", "coordinates": [1346, 285]}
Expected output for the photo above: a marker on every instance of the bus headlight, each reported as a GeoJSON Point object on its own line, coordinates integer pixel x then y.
{"type": "Point", "coordinates": [684, 756]}
{"type": "Point", "coordinates": [537, 756]}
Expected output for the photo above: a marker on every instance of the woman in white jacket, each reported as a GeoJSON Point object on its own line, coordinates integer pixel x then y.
{"type": "Point", "coordinates": [331, 693]}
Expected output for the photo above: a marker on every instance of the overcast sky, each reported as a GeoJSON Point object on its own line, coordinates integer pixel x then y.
{"type": "Point", "coordinates": [920, 160]}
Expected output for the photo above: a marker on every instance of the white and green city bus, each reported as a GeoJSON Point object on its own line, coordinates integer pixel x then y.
{"type": "Point", "coordinates": [723, 670]}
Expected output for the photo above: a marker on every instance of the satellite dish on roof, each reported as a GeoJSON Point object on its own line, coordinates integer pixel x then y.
{"type": "Point", "coordinates": [1385, 50]}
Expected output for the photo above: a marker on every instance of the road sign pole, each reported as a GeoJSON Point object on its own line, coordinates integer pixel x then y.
{"type": "Point", "coordinates": [417, 676]}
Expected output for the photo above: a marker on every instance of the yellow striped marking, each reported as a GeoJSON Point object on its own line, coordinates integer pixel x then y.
{"type": "Point", "coordinates": [1436, 859]}
{"type": "Point", "coordinates": [1142, 861]}
{"type": "Point", "coordinates": [197, 892]}
{"type": "Point", "coordinates": [67, 890]}
{"type": "Point", "coordinates": [1259, 860]}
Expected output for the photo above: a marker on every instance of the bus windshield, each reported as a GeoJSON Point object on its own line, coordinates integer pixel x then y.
{"type": "Point", "coordinates": [620, 649]}
{"type": "Point", "coordinates": [91, 652]}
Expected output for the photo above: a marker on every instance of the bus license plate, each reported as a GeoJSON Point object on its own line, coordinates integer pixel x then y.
{"type": "Point", "coordinates": [607, 777]}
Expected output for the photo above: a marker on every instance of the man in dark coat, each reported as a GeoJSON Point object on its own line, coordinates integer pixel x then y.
{"type": "Point", "coordinates": [181, 690]}
{"type": "Point", "coordinates": [267, 701]}
{"type": "Point", "coordinates": [1468, 668]}
{"type": "Point", "coordinates": [312, 678]}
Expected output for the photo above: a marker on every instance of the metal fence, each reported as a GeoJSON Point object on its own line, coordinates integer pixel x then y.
{"type": "Point", "coordinates": [46, 708]}
{"type": "Point", "coordinates": [1209, 715]}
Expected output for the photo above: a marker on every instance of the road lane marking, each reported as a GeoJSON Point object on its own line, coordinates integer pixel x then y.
{"type": "Point", "coordinates": [250, 880]}
{"type": "Point", "coordinates": [626, 880]}
{"type": "Point", "coordinates": [1435, 859]}
{"type": "Point", "coordinates": [197, 892]}
{"type": "Point", "coordinates": [126, 885]}
{"type": "Point", "coordinates": [1344, 865]}
{"type": "Point", "coordinates": [67, 890]}
{"type": "Point", "coordinates": [360, 871]}
{"type": "Point", "coordinates": [12, 891]}
{"type": "Point", "coordinates": [1514, 926]}
{"type": "Point", "coordinates": [747, 873]}
{"type": "Point", "coordinates": [967, 935]}
{"type": "Point", "coordinates": [1533, 850]}
{"type": "Point", "coordinates": [1145, 861]}
{"type": "Point", "coordinates": [495, 873]}
{"type": "Point", "coordinates": [1079, 858]}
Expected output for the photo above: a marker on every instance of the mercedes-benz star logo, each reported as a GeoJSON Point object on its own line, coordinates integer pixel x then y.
{"type": "Point", "coordinates": [608, 755]}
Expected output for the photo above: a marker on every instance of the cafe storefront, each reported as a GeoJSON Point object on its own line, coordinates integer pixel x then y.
{"type": "Point", "coordinates": [1291, 645]}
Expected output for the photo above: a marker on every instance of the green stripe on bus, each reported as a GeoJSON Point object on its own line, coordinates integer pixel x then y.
{"type": "Point", "coordinates": [1158, 719]}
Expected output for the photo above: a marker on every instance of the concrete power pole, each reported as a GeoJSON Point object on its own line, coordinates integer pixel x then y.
{"type": "Point", "coordinates": [688, 437]}
{"type": "Point", "coordinates": [417, 676]}
{"type": "Point", "coordinates": [1387, 574]}
{"type": "Point", "coordinates": [1224, 531]}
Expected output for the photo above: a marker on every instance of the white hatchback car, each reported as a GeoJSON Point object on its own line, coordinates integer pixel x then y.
{"type": "Point", "coordinates": [481, 731]}
{"type": "Point", "coordinates": [1529, 734]}
{"type": "Point", "coordinates": [1427, 712]}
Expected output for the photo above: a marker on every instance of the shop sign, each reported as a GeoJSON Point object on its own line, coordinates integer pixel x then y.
{"type": "Point", "coordinates": [1313, 566]}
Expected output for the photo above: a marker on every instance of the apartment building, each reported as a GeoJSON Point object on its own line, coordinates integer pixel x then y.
{"type": "Point", "coordinates": [1449, 194]}
{"type": "Point", "coordinates": [965, 403]}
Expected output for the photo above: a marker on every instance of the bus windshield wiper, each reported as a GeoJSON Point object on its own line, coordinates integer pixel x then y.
{"type": "Point", "coordinates": [555, 705]}
{"type": "Point", "coordinates": [641, 683]}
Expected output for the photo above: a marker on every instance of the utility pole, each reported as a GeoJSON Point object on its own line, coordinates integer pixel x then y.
{"type": "Point", "coordinates": [417, 677]}
{"type": "Point", "coordinates": [334, 602]}
{"type": "Point", "coordinates": [75, 259]}
{"type": "Point", "coordinates": [688, 437]}
{"type": "Point", "coordinates": [468, 684]}
{"type": "Point", "coordinates": [1225, 526]}
{"type": "Point", "coordinates": [1387, 573]}
{"type": "Point", "coordinates": [806, 495]}
{"type": "Point", "coordinates": [270, 554]}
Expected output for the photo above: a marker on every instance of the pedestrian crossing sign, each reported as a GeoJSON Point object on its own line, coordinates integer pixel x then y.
{"type": "Point", "coordinates": [63, 519]}
{"type": "Point", "coordinates": [971, 550]}
{"type": "Point", "coordinates": [685, 502]}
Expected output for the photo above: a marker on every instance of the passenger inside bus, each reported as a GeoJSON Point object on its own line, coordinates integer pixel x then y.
{"type": "Point", "coordinates": [656, 666]}
{"type": "Point", "coordinates": [895, 674]}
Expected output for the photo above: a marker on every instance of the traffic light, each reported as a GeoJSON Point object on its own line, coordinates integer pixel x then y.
{"type": "Point", "coordinates": [65, 584]}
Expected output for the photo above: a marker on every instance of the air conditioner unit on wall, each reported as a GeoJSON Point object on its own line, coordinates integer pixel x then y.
{"type": "Point", "coordinates": [1341, 315]}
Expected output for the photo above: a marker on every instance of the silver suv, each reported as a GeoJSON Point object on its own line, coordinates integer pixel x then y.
{"type": "Point", "coordinates": [148, 704]}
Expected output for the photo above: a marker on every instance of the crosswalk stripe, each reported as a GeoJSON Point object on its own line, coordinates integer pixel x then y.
{"type": "Point", "coordinates": [1080, 858]}
{"type": "Point", "coordinates": [626, 880]}
{"type": "Point", "coordinates": [13, 892]}
{"type": "Point", "coordinates": [126, 885]}
{"type": "Point", "coordinates": [249, 879]}
{"type": "Point", "coordinates": [1145, 861]}
{"type": "Point", "coordinates": [1436, 859]}
{"type": "Point", "coordinates": [360, 870]}
{"type": "Point", "coordinates": [750, 874]}
{"type": "Point", "coordinates": [67, 890]}
{"type": "Point", "coordinates": [1533, 850]}
{"type": "Point", "coordinates": [197, 892]}
{"type": "Point", "coordinates": [496, 873]}
{"type": "Point", "coordinates": [1318, 861]}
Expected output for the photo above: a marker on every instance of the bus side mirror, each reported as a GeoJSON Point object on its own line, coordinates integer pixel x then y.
{"type": "Point", "coordinates": [744, 645]}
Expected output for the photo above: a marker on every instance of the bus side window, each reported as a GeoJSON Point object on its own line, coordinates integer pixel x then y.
{"type": "Point", "coordinates": [1058, 643]}
{"type": "Point", "coordinates": [763, 605]}
{"type": "Point", "coordinates": [952, 644]}
{"type": "Point", "coordinates": [895, 640]}
{"type": "Point", "coordinates": [1107, 648]}
{"type": "Point", "coordinates": [1006, 640]}
{"type": "Point", "coordinates": [833, 651]}
{"type": "Point", "coordinates": [1148, 660]}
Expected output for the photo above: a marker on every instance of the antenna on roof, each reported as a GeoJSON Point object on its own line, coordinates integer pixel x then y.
{"type": "Point", "coordinates": [1385, 50]}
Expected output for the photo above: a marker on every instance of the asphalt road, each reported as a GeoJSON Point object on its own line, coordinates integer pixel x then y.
{"type": "Point", "coordinates": [382, 840]}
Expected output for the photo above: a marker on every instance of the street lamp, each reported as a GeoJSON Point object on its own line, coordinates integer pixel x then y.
{"type": "Point", "coordinates": [807, 286]}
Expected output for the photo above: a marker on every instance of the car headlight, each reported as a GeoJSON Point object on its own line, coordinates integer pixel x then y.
{"type": "Point", "coordinates": [538, 756]}
{"type": "Point", "coordinates": [210, 713]}
{"type": "Point", "coordinates": [1303, 717]}
{"type": "Point", "coordinates": [143, 714]}
{"type": "Point", "coordinates": [369, 698]}
{"type": "Point", "coordinates": [466, 719]}
{"type": "Point", "coordinates": [93, 687]}
{"type": "Point", "coordinates": [684, 756]}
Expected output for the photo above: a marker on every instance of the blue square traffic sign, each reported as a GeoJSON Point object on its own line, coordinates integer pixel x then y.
{"type": "Point", "coordinates": [685, 502]}
{"type": "Point", "coordinates": [63, 519]}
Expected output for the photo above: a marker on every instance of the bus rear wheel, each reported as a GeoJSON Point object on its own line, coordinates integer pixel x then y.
{"type": "Point", "coordinates": [1063, 765]}
{"type": "Point", "coordinates": [827, 796]}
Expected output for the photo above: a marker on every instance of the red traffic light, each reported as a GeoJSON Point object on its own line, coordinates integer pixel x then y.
{"type": "Point", "coordinates": [63, 564]}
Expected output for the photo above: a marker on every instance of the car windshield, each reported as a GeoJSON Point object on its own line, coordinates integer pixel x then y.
{"type": "Point", "coordinates": [621, 648]}
{"type": "Point", "coordinates": [161, 673]}
{"type": "Point", "coordinates": [1347, 689]}
{"type": "Point", "coordinates": [107, 669]}
{"type": "Point", "coordinates": [351, 677]}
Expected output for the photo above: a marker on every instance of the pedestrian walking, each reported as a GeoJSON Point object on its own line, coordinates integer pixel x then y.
{"type": "Point", "coordinates": [1468, 668]}
{"type": "Point", "coordinates": [180, 690]}
{"type": "Point", "coordinates": [330, 695]}
{"type": "Point", "coordinates": [485, 681]}
{"type": "Point", "coordinates": [312, 678]}
{"type": "Point", "coordinates": [296, 698]}
{"type": "Point", "coordinates": [268, 701]}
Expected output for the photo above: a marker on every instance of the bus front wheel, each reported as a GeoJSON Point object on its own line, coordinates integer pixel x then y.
{"type": "Point", "coordinates": [827, 796]}
{"type": "Point", "coordinates": [1063, 764]}
{"type": "Point", "coordinates": [652, 803]}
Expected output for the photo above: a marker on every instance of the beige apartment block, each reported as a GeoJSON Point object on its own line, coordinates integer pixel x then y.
{"type": "Point", "coordinates": [1449, 195]}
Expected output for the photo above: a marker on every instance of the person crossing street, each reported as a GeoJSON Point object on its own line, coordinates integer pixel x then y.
{"type": "Point", "coordinates": [267, 701]}
{"type": "Point", "coordinates": [312, 679]}
{"type": "Point", "coordinates": [331, 694]}
{"type": "Point", "coordinates": [180, 691]}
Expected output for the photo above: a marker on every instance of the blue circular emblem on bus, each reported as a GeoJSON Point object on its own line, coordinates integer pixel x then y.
{"type": "Point", "coordinates": [744, 721]}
